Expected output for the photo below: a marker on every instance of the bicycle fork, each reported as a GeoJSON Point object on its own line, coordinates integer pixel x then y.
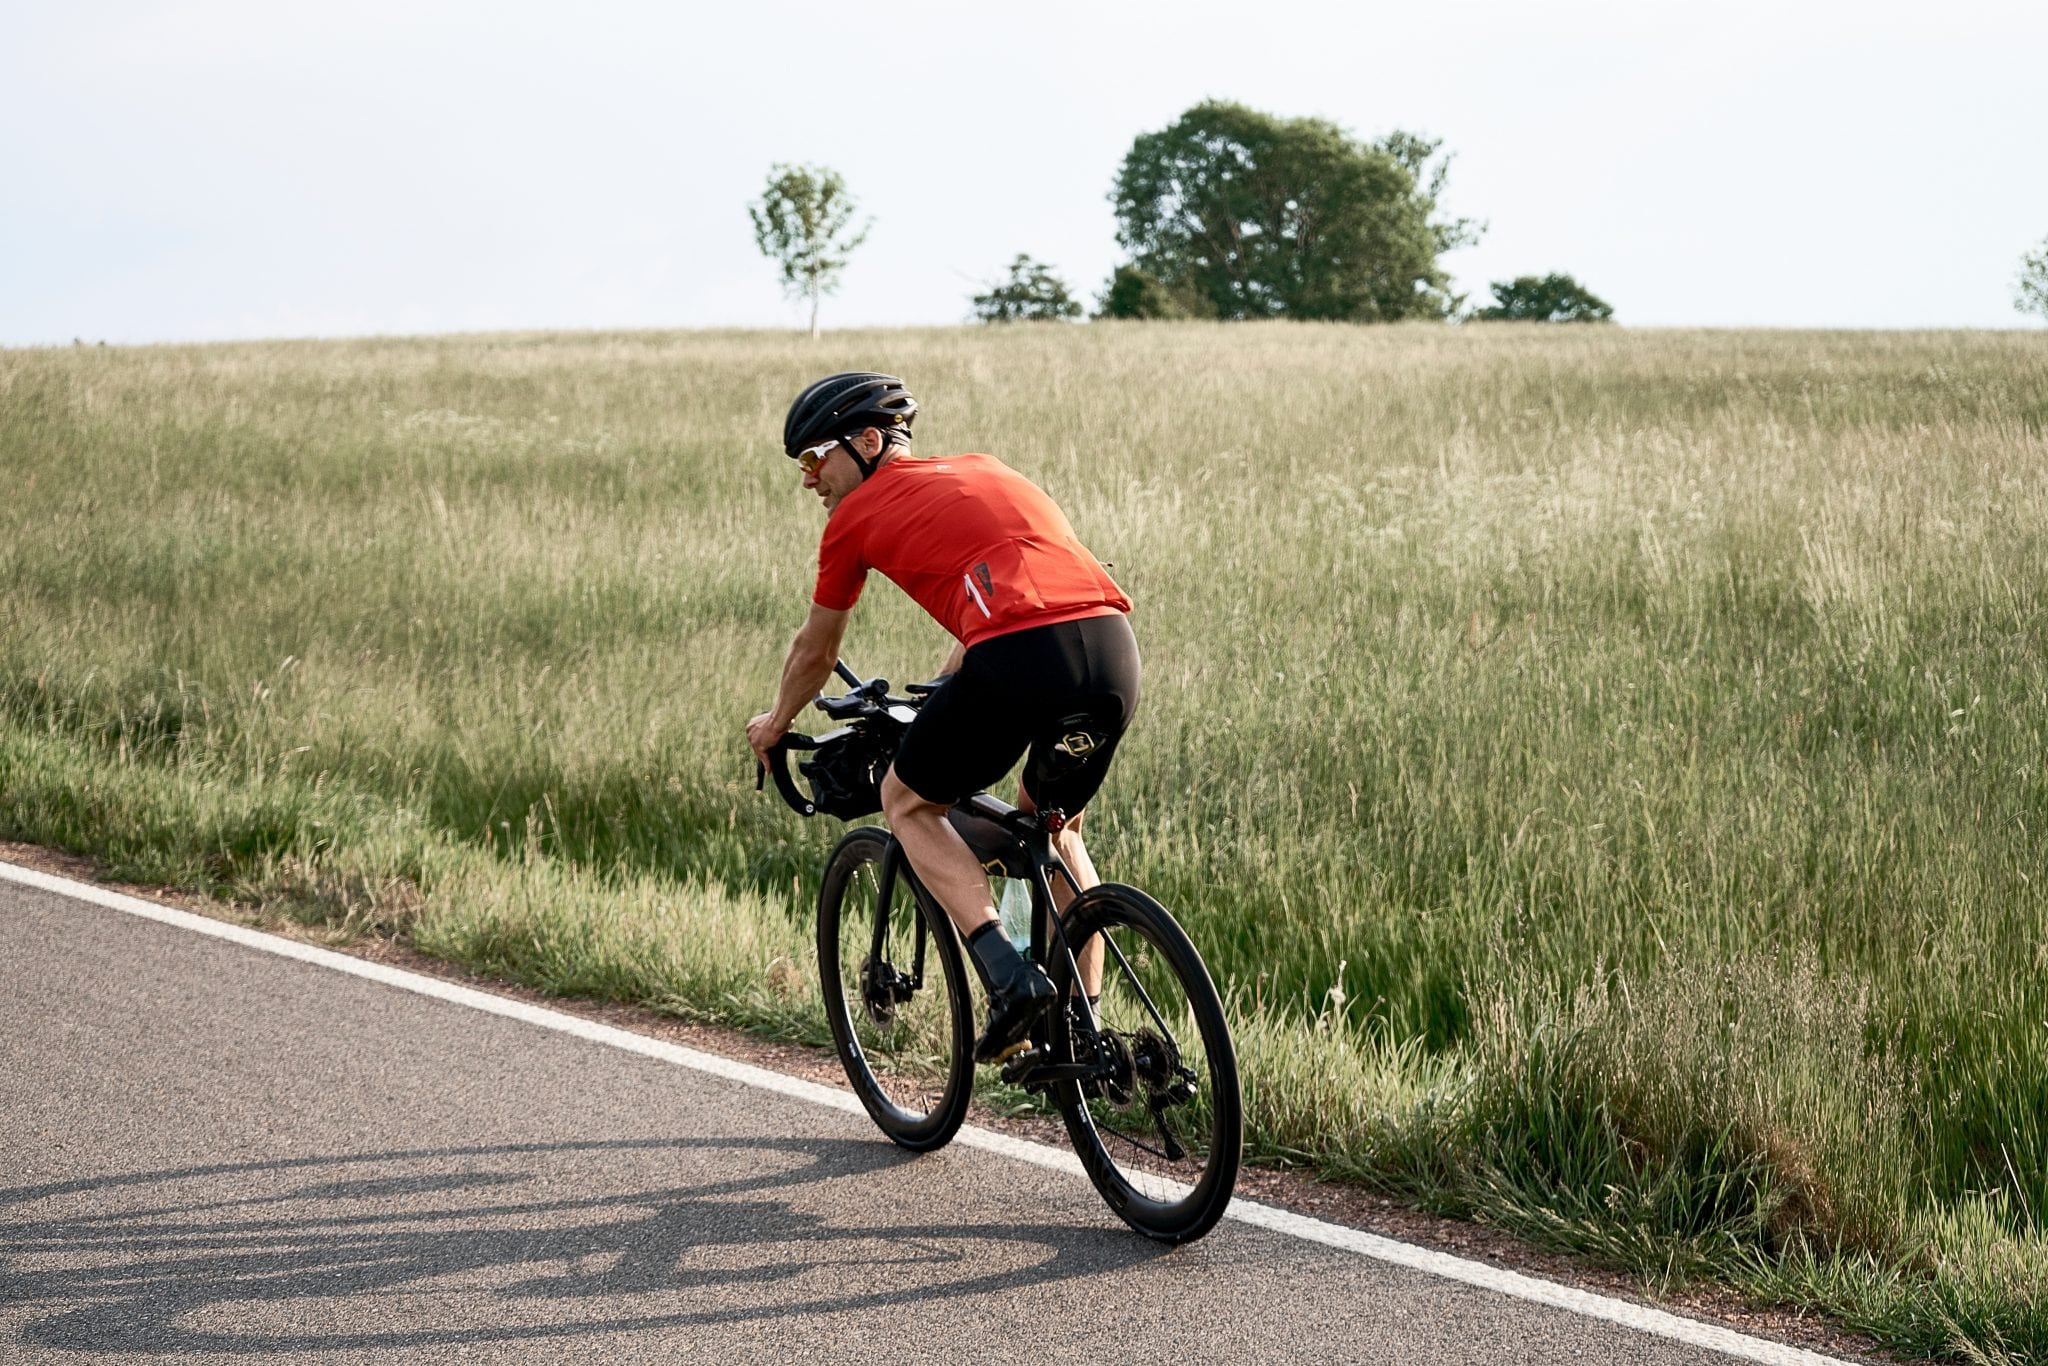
{"type": "Point", "coordinates": [883, 985]}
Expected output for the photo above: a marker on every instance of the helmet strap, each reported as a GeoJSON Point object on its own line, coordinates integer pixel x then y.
{"type": "Point", "coordinates": [866, 466]}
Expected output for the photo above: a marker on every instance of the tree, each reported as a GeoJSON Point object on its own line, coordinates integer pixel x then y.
{"type": "Point", "coordinates": [2031, 293]}
{"type": "Point", "coordinates": [1545, 299]}
{"type": "Point", "coordinates": [1031, 294]}
{"type": "Point", "coordinates": [801, 223]}
{"type": "Point", "coordinates": [1131, 293]}
{"type": "Point", "coordinates": [1250, 216]}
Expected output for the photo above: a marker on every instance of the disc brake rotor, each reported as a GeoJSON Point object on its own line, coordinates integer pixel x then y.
{"type": "Point", "coordinates": [881, 987]}
{"type": "Point", "coordinates": [1116, 1059]}
{"type": "Point", "coordinates": [1157, 1064]}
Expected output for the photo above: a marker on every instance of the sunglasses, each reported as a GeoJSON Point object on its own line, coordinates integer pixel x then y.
{"type": "Point", "coordinates": [809, 458]}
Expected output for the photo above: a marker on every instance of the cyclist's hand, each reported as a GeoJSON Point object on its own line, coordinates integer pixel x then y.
{"type": "Point", "coordinates": [762, 734]}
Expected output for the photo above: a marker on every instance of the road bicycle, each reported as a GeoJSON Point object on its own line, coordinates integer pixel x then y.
{"type": "Point", "coordinates": [1145, 1078]}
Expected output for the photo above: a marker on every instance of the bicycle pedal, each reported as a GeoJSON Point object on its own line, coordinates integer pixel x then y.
{"type": "Point", "coordinates": [1019, 1059]}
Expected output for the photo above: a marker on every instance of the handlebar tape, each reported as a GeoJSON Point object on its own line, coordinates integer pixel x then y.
{"type": "Point", "coordinates": [778, 765]}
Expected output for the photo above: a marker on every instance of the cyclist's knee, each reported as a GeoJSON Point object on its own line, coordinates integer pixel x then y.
{"type": "Point", "coordinates": [899, 802]}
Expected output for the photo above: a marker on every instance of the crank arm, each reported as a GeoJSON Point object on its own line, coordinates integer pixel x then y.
{"type": "Point", "coordinates": [1030, 1071]}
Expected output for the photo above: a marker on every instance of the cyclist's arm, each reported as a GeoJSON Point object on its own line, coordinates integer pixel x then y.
{"type": "Point", "coordinates": [811, 657]}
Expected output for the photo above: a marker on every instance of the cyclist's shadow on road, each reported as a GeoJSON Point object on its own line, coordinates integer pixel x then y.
{"type": "Point", "coordinates": [503, 1243]}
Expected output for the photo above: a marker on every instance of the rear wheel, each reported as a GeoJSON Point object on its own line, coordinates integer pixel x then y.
{"type": "Point", "coordinates": [895, 991]}
{"type": "Point", "coordinates": [1161, 1131]}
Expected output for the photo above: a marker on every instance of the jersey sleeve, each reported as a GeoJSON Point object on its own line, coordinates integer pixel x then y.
{"type": "Point", "coordinates": [842, 572]}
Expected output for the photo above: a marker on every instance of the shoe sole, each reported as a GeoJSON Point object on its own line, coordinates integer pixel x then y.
{"type": "Point", "coordinates": [1012, 1049]}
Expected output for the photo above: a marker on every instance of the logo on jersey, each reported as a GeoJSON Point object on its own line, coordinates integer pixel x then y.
{"type": "Point", "coordinates": [976, 592]}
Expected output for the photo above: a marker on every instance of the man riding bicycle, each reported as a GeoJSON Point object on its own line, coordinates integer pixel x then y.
{"type": "Point", "coordinates": [1044, 660]}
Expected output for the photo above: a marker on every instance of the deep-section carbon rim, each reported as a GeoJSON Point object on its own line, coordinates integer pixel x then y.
{"type": "Point", "coordinates": [895, 993]}
{"type": "Point", "coordinates": [1161, 1134]}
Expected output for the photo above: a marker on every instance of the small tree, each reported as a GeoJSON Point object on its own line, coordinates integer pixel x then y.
{"type": "Point", "coordinates": [2031, 294]}
{"type": "Point", "coordinates": [802, 224]}
{"type": "Point", "coordinates": [1545, 299]}
{"type": "Point", "coordinates": [1032, 293]}
{"type": "Point", "coordinates": [1131, 293]}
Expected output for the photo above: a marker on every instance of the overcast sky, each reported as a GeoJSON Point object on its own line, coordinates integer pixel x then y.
{"type": "Point", "coordinates": [223, 169]}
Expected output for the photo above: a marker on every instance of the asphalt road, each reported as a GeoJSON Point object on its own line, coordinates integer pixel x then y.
{"type": "Point", "coordinates": [212, 1152]}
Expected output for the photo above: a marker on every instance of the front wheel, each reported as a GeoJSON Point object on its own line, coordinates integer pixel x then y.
{"type": "Point", "coordinates": [895, 991]}
{"type": "Point", "coordinates": [1160, 1127]}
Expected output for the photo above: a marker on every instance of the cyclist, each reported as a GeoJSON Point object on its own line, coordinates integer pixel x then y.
{"type": "Point", "coordinates": [1044, 660]}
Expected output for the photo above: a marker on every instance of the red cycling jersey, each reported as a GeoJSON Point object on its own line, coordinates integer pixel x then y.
{"type": "Point", "coordinates": [973, 542]}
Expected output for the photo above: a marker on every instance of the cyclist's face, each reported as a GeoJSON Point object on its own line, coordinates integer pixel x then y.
{"type": "Point", "coordinates": [835, 475]}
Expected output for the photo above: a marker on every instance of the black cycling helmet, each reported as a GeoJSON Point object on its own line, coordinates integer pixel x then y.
{"type": "Point", "coordinates": [839, 405]}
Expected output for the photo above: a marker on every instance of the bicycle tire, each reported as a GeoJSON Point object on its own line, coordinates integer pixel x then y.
{"type": "Point", "coordinates": [909, 1057]}
{"type": "Point", "coordinates": [1173, 1201]}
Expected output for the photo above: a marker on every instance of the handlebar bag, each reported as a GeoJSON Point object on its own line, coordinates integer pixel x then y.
{"type": "Point", "coordinates": [846, 774]}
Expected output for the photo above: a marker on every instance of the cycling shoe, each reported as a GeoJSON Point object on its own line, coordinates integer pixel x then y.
{"type": "Point", "coordinates": [1011, 1014]}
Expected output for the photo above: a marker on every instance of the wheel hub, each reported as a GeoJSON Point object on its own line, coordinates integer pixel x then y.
{"type": "Point", "coordinates": [1118, 1073]}
{"type": "Point", "coordinates": [1157, 1064]}
{"type": "Point", "coordinates": [882, 989]}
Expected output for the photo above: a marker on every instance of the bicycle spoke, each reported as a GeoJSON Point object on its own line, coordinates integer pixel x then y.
{"type": "Point", "coordinates": [901, 1019]}
{"type": "Point", "coordinates": [1134, 1142]}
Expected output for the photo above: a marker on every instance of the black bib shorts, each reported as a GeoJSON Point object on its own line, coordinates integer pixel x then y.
{"type": "Point", "coordinates": [1063, 692]}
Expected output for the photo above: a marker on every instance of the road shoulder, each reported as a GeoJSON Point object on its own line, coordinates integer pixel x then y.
{"type": "Point", "coordinates": [1344, 1205]}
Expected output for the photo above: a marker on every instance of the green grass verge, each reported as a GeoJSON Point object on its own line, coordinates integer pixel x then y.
{"type": "Point", "coordinates": [1602, 768]}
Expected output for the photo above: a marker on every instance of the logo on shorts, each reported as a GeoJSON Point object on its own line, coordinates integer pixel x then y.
{"type": "Point", "coordinates": [1078, 744]}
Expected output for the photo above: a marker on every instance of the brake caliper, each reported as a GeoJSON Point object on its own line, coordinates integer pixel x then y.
{"type": "Point", "coordinates": [882, 989]}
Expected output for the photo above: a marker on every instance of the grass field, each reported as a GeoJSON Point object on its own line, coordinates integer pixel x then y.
{"type": "Point", "coordinates": [1605, 769]}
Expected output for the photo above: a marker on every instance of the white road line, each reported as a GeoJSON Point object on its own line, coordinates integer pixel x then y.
{"type": "Point", "coordinates": [1582, 1302]}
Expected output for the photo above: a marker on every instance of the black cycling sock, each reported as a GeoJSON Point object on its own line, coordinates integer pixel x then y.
{"type": "Point", "coordinates": [994, 957]}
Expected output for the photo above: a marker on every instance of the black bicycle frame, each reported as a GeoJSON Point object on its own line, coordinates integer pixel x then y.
{"type": "Point", "coordinates": [1026, 830]}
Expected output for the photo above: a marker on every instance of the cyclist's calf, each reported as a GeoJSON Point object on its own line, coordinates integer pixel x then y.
{"type": "Point", "coordinates": [941, 859]}
{"type": "Point", "coordinates": [1072, 851]}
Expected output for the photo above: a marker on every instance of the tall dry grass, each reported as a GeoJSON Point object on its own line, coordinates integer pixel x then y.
{"type": "Point", "coordinates": [1604, 767]}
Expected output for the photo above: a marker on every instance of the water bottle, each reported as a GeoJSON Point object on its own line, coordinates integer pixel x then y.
{"type": "Point", "coordinates": [1013, 908]}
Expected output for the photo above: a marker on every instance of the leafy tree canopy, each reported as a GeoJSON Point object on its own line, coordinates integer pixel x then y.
{"type": "Point", "coordinates": [2031, 293]}
{"type": "Point", "coordinates": [1245, 215]}
{"type": "Point", "coordinates": [1131, 293]}
{"type": "Point", "coordinates": [1031, 293]}
{"type": "Point", "coordinates": [802, 222]}
{"type": "Point", "coordinates": [1545, 299]}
